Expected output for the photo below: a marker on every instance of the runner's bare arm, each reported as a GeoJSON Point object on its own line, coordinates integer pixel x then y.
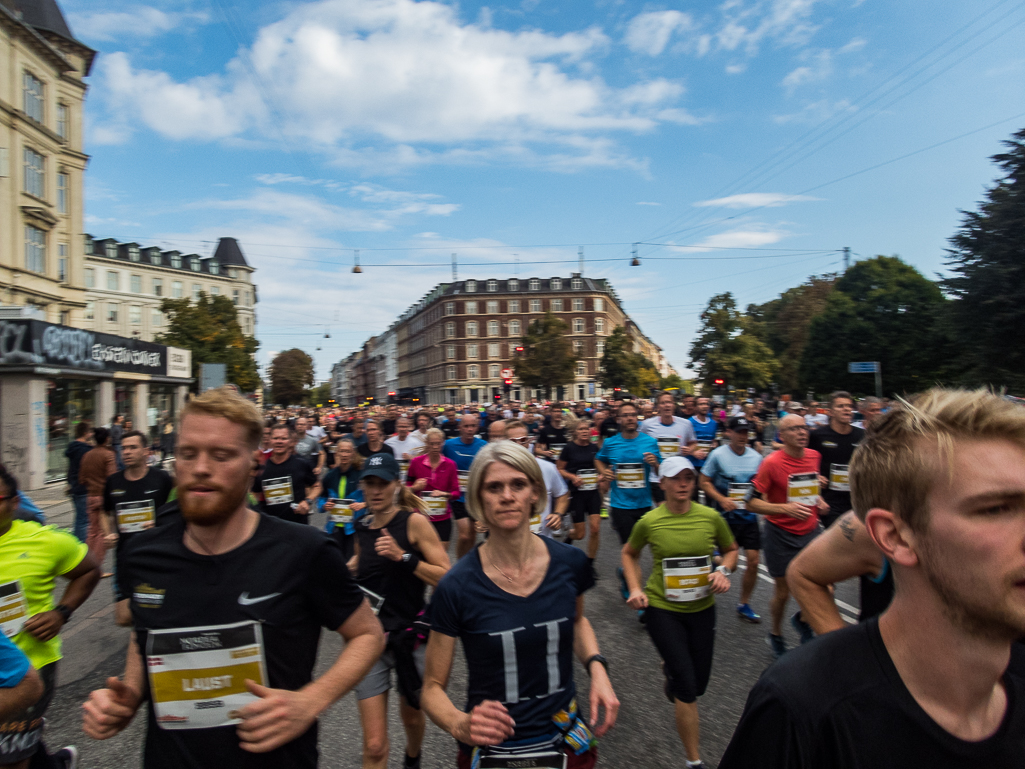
{"type": "Point", "coordinates": [83, 579]}
{"type": "Point", "coordinates": [108, 711]}
{"type": "Point", "coordinates": [712, 492]}
{"type": "Point", "coordinates": [435, 564]}
{"type": "Point", "coordinates": [17, 698]}
{"type": "Point", "coordinates": [841, 552]}
{"type": "Point", "coordinates": [568, 477]}
{"type": "Point", "coordinates": [280, 715]}
{"type": "Point", "coordinates": [631, 561]}
{"type": "Point", "coordinates": [757, 504]}
{"type": "Point", "coordinates": [603, 470]}
{"type": "Point", "coordinates": [602, 696]}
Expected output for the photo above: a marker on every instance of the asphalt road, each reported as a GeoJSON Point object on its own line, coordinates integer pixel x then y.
{"type": "Point", "coordinates": [645, 735]}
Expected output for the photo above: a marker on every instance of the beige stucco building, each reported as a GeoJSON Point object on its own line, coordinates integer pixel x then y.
{"type": "Point", "coordinates": [42, 163]}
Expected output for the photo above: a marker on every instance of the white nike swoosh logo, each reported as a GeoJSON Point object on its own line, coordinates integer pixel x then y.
{"type": "Point", "coordinates": [245, 600]}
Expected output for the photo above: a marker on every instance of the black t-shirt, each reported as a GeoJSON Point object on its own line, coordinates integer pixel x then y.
{"type": "Point", "coordinates": [284, 485]}
{"type": "Point", "coordinates": [134, 504]}
{"type": "Point", "coordinates": [840, 703]}
{"type": "Point", "coordinates": [291, 580]}
{"type": "Point", "coordinates": [836, 449]}
{"type": "Point", "coordinates": [578, 457]}
{"type": "Point", "coordinates": [366, 451]}
{"type": "Point", "coordinates": [402, 590]}
{"type": "Point", "coordinates": [608, 428]}
{"type": "Point", "coordinates": [450, 427]}
{"type": "Point", "coordinates": [552, 438]}
{"type": "Point", "coordinates": [388, 427]}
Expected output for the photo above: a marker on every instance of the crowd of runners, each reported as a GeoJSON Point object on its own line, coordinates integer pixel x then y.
{"type": "Point", "coordinates": [482, 526]}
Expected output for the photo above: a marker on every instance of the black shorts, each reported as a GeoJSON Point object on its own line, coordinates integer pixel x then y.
{"type": "Point", "coordinates": [685, 640]}
{"type": "Point", "coordinates": [657, 495]}
{"type": "Point", "coordinates": [747, 533]}
{"type": "Point", "coordinates": [22, 732]}
{"type": "Point", "coordinates": [459, 509]}
{"type": "Point", "coordinates": [781, 547]}
{"type": "Point", "coordinates": [583, 504]}
{"type": "Point", "coordinates": [444, 529]}
{"type": "Point", "coordinates": [623, 520]}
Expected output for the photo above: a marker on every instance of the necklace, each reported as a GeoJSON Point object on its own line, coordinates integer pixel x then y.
{"type": "Point", "coordinates": [495, 564]}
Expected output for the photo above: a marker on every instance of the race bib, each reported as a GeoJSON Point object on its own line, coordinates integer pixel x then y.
{"type": "Point", "coordinates": [556, 449]}
{"type": "Point", "coordinates": [197, 675]}
{"type": "Point", "coordinates": [739, 493]}
{"type": "Point", "coordinates": [553, 759]}
{"type": "Point", "coordinates": [376, 601]}
{"type": "Point", "coordinates": [706, 446]}
{"type": "Point", "coordinates": [463, 476]}
{"type": "Point", "coordinates": [535, 523]}
{"type": "Point", "coordinates": [589, 480]}
{"type": "Point", "coordinates": [630, 475]}
{"type": "Point", "coordinates": [437, 507]}
{"type": "Point", "coordinates": [278, 491]}
{"type": "Point", "coordinates": [341, 511]}
{"type": "Point", "coordinates": [686, 579]}
{"type": "Point", "coordinates": [668, 447]}
{"type": "Point", "coordinates": [838, 477]}
{"type": "Point", "coordinates": [803, 488]}
{"type": "Point", "coordinates": [13, 609]}
{"type": "Point", "coordinates": [133, 517]}
{"type": "Point", "coordinates": [403, 469]}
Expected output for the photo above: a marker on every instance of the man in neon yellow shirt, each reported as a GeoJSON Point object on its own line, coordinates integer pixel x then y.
{"type": "Point", "coordinates": [31, 558]}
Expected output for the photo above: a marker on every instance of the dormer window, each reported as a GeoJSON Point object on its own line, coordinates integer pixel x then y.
{"type": "Point", "coordinates": [133, 253]}
{"type": "Point", "coordinates": [492, 285]}
{"type": "Point", "coordinates": [534, 285]}
{"type": "Point", "coordinates": [471, 286]}
{"type": "Point", "coordinates": [577, 283]}
{"type": "Point", "coordinates": [110, 249]}
{"type": "Point", "coordinates": [194, 264]}
{"type": "Point", "coordinates": [176, 260]}
{"type": "Point", "coordinates": [154, 256]}
{"type": "Point", "coordinates": [556, 284]}
{"type": "Point", "coordinates": [514, 285]}
{"type": "Point", "coordinates": [214, 266]}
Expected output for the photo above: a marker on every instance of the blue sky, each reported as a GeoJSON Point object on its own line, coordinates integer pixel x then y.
{"type": "Point", "coordinates": [512, 133]}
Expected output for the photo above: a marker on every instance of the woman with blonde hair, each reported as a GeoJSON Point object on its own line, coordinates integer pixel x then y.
{"type": "Point", "coordinates": [515, 601]}
{"type": "Point", "coordinates": [436, 479]}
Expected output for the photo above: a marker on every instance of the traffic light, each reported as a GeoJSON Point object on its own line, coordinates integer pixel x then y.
{"type": "Point", "coordinates": [507, 385]}
{"type": "Point", "coordinates": [497, 397]}
{"type": "Point", "coordinates": [519, 350]}
{"type": "Point", "coordinates": [720, 382]}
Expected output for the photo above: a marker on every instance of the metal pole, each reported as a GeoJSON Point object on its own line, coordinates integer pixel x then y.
{"type": "Point", "coordinates": [846, 258]}
{"type": "Point", "coordinates": [879, 380]}
{"type": "Point", "coordinates": [580, 255]}
{"type": "Point", "coordinates": [455, 269]}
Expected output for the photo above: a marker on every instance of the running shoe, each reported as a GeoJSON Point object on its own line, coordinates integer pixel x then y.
{"type": "Point", "coordinates": [641, 616]}
{"type": "Point", "coordinates": [746, 613]}
{"type": "Point", "coordinates": [411, 763]}
{"type": "Point", "coordinates": [604, 513]}
{"type": "Point", "coordinates": [802, 627]}
{"type": "Point", "coordinates": [777, 644]}
{"type": "Point", "coordinates": [623, 589]}
{"type": "Point", "coordinates": [66, 758]}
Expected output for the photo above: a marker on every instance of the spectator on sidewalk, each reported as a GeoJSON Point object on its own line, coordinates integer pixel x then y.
{"type": "Point", "coordinates": [117, 430]}
{"type": "Point", "coordinates": [97, 465]}
{"type": "Point", "coordinates": [77, 449]}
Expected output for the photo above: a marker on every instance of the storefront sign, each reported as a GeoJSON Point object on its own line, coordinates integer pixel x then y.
{"type": "Point", "coordinates": [179, 362]}
{"type": "Point", "coordinates": [37, 343]}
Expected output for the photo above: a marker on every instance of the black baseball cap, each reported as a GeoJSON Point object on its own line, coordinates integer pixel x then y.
{"type": "Point", "coordinates": [381, 466]}
{"type": "Point", "coordinates": [738, 423]}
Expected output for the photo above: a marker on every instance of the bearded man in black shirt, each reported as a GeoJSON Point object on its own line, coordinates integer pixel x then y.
{"type": "Point", "coordinates": [227, 609]}
{"type": "Point", "coordinates": [937, 680]}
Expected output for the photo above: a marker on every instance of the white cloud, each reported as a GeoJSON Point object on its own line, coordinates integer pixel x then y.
{"type": "Point", "coordinates": [745, 238]}
{"type": "Point", "coordinates": [399, 82]}
{"type": "Point", "coordinates": [819, 64]}
{"type": "Point", "coordinates": [647, 203]}
{"type": "Point", "coordinates": [650, 32]}
{"type": "Point", "coordinates": [735, 69]}
{"type": "Point", "coordinates": [138, 21]}
{"type": "Point", "coordinates": [754, 200]}
{"type": "Point", "coordinates": [815, 112]}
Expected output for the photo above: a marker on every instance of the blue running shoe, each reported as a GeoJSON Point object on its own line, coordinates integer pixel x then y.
{"type": "Point", "coordinates": [777, 644]}
{"type": "Point", "coordinates": [747, 614]}
{"type": "Point", "coordinates": [802, 628]}
{"type": "Point", "coordinates": [623, 589]}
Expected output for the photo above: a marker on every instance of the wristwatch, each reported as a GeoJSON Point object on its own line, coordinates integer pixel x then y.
{"type": "Point", "coordinates": [725, 570]}
{"type": "Point", "coordinates": [64, 611]}
{"type": "Point", "coordinates": [596, 658]}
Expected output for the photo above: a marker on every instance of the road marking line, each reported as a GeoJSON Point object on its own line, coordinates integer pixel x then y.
{"type": "Point", "coordinates": [763, 573]}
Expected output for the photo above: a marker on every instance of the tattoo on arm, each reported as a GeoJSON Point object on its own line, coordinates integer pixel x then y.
{"type": "Point", "coordinates": [847, 526]}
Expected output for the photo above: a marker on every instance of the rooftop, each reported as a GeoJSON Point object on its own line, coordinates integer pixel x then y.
{"type": "Point", "coordinates": [228, 253]}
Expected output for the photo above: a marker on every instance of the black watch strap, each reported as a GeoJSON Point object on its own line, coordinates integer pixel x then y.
{"type": "Point", "coordinates": [596, 658]}
{"type": "Point", "coordinates": [64, 611]}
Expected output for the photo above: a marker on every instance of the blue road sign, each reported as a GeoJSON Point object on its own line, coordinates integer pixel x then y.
{"type": "Point", "coordinates": [864, 367]}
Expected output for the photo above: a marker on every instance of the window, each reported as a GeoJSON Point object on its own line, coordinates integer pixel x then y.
{"type": "Point", "coordinates": [194, 264]}
{"type": "Point", "coordinates": [581, 368]}
{"type": "Point", "coordinates": [154, 256]}
{"type": "Point", "coordinates": [113, 281]}
{"type": "Point", "coordinates": [514, 285]}
{"type": "Point", "coordinates": [471, 351]}
{"type": "Point", "coordinates": [492, 285]}
{"type": "Point", "coordinates": [32, 91]}
{"type": "Point", "coordinates": [599, 347]}
{"type": "Point", "coordinates": [450, 308]}
{"type": "Point", "coordinates": [471, 328]}
{"type": "Point", "coordinates": [134, 254]}
{"type": "Point", "coordinates": [450, 330]}
{"type": "Point", "coordinates": [62, 262]}
{"type": "Point", "coordinates": [450, 351]}
{"type": "Point", "coordinates": [62, 193]}
{"type": "Point", "coordinates": [248, 327]}
{"type": "Point", "coordinates": [34, 173]}
{"type": "Point", "coordinates": [578, 325]}
{"type": "Point", "coordinates": [578, 305]}
{"type": "Point", "coordinates": [112, 312]}
{"type": "Point", "coordinates": [136, 284]}
{"type": "Point", "coordinates": [514, 328]}
{"type": "Point", "coordinates": [35, 249]}
{"type": "Point", "coordinates": [493, 307]}
{"type": "Point", "coordinates": [176, 260]}
{"type": "Point", "coordinates": [245, 298]}
{"type": "Point", "coordinates": [214, 267]}
{"type": "Point", "coordinates": [493, 370]}
{"type": "Point", "coordinates": [556, 305]}
{"type": "Point", "coordinates": [90, 310]}
{"type": "Point", "coordinates": [215, 290]}
{"type": "Point", "coordinates": [450, 372]}
{"type": "Point", "coordinates": [470, 308]}
{"type": "Point", "coordinates": [494, 350]}
{"type": "Point", "coordinates": [599, 305]}
{"type": "Point", "coordinates": [535, 305]}
{"type": "Point", "coordinates": [576, 283]}
{"type": "Point", "coordinates": [176, 290]}
{"type": "Point", "coordinates": [599, 325]}
{"type": "Point", "coordinates": [556, 284]}
{"type": "Point", "coordinates": [578, 346]}
{"type": "Point", "coordinates": [234, 296]}
{"type": "Point", "coordinates": [134, 314]}
{"type": "Point", "coordinates": [196, 291]}
{"type": "Point", "coordinates": [158, 286]}
{"type": "Point", "coordinates": [494, 328]}
{"type": "Point", "coordinates": [90, 277]}
{"type": "Point", "coordinates": [471, 286]}
{"type": "Point", "coordinates": [534, 285]}
{"type": "Point", "coordinates": [156, 319]}
{"type": "Point", "coordinates": [62, 121]}
{"type": "Point", "coordinates": [473, 372]}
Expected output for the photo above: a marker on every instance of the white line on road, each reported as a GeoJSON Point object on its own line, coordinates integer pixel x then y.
{"type": "Point", "coordinates": [763, 573]}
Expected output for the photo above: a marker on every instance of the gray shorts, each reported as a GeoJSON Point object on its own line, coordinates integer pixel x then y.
{"type": "Point", "coordinates": [781, 547]}
{"type": "Point", "coordinates": [378, 680]}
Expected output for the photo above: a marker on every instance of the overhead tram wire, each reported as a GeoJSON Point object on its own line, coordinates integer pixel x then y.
{"type": "Point", "coordinates": [782, 154]}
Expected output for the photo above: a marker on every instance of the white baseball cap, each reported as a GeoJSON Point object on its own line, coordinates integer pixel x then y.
{"type": "Point", "coordinates": [674, 466]}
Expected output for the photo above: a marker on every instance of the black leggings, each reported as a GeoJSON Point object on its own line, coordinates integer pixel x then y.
{"type": "Point", "coordinates": [685, 641]}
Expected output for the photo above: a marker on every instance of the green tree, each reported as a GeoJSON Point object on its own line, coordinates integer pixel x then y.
{"type": "Point", "coordinates": [617, 369]}
{"type": "Point", "coordinates": [320, 394]}
{"type": "Point", "coordinates": [672, 382]}
{"type": "Point", "coordinates": [547, 360]}
{"type": "Point", "coordinates": [209, 328]}
{"type": "Point", "coordinates": [291, 373]}
{"type": "Point", "coordinates": [727, 348]}
{"type": "Point", "coordinates": [988, 281]}
{"type": "Point", "coordinates": [884, 310]}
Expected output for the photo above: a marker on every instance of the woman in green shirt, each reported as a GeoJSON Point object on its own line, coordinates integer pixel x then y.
{"type": "Point", "coordinates": [678, 599]}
